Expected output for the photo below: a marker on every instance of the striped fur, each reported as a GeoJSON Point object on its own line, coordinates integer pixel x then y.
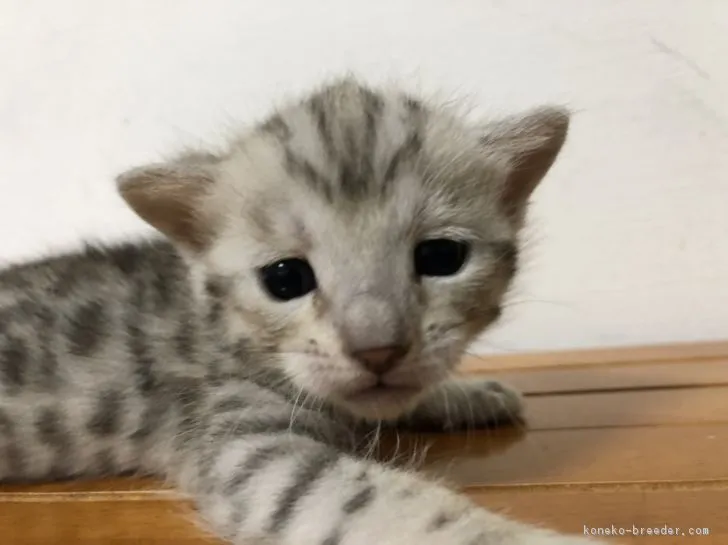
{"type": "Point", "coordinates": [168, 358]}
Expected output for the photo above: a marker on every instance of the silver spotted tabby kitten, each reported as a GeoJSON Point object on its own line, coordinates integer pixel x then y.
{"type": "Point", "coordinates": [321, 276]}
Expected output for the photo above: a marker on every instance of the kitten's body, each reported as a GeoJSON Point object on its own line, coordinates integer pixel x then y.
{"type": "Point", "coordinates": [184, 360]}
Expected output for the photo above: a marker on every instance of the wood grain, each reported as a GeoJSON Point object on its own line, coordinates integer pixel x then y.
{"type": "Point", "coordinates": [651, 376]}
{"type": "Point", "coordinates": [616, 438]}
{"type": "Point", "coordinates": [682, 353]}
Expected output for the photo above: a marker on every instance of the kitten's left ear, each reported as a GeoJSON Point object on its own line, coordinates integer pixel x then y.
{"type": "Point", "coordinates": [529, 144]}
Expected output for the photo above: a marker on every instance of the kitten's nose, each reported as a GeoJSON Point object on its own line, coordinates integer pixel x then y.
{"type": "Point", "coordinates": [382, 359]}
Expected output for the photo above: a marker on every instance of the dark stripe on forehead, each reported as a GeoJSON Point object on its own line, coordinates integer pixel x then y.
{"type": "Point", "coordinates": [356, 172]}
{"type": "Point", "coordinates": [277, 127]}
{"type": "Point", "coordinates": [405, 153]}
{"type": "Point", "coordinates": [347, 121]}
{"type": "Point", "coordinates": [414, 106]}
{"type": "Point", "coordinates": [318, 109]}
{"type": "Point", "coordinates": [414, 121]}
{"type": "Point", "coordinates": [415, 115]}
{"type": "Point", "coordinates": [353, 180]}
{"type": "Point", "coordinates": [373, 107]}
{"type": "Point", "coordinates": [302, 169]}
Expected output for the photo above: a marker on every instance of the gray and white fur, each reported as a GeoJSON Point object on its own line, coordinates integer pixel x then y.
{"type": "Point", "coordinates": [172, 358]}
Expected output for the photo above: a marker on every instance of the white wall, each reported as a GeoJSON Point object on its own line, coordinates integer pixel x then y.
{"type": "Point", "coordinates": [629, 231]}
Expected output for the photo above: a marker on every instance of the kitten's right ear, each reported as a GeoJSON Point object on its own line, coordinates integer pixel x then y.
{"type": "Point", "coordinates": [170, 198]}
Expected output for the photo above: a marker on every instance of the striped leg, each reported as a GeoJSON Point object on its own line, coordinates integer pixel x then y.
{"type": "Point", "coordinates": [264, 479]}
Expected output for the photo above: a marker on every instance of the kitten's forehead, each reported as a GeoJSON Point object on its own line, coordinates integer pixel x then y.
{"type": "Point", "coordinates": [361, 150]}
{"type": "Point", "coordinates": [347, 142]}
{"type": "Point", "coordinates": [310, 223]}
{"type": "Point", "coordinates": [349, 170]}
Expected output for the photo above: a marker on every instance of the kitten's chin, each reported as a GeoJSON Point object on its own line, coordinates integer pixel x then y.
{"type": "Point", "coordinates": [363, 394]}
{"type": "Point", "coordinates": [381, 402]}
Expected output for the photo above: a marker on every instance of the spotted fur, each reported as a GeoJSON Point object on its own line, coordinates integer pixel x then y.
{"type": "Point", "coordinates": [167, 357]}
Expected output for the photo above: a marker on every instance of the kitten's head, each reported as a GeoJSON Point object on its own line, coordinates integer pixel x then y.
{"type": "Point", "coordinates": [363, 237]}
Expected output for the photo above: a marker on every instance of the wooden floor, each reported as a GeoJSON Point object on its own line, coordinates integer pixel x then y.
{"type": "Point", "coordinates": [622, 439]}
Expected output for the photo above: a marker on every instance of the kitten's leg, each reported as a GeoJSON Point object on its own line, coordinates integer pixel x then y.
{"type": "Point", "coordinates": [259, 471]}
{"type": "Point", "coordinates": [258, 478]}
{"type": "Point", "coordinates": [466, 404]}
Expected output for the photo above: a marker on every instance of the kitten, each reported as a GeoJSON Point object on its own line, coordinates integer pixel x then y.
{"type": "Point", "coordinates": [322, 275]}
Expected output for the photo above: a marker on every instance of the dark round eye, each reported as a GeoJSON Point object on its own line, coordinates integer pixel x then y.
{"type": "Point", "coordinates": [440, 257]}
{"type": "Point", "coordinates": [288, 279]}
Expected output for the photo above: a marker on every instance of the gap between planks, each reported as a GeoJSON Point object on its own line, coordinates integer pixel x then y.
{"type": "Point", "coordinates": [575, 359]}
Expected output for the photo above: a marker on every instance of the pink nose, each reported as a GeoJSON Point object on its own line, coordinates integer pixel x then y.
{"type": "Point", "coordinates": [382, 359]}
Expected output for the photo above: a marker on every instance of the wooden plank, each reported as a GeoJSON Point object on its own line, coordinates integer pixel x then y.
{"type": "Point", "coordinates": [119, 487]}
{"type": "Point", "coordinates": [122, 488]}
{"type": "Point", "coordinates": [610, 378]}
{"type": "Point", "coordinates": [637, 408]}
{"type": "Point", "coordinates": [635, 355]}
{"type": "Point", "coordinates": [618, 455]}
{"type": "Point", "coordinates": [95, 521]}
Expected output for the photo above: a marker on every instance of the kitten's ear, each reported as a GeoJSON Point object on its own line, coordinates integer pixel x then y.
{"type": "Point", "coordinates": [169, 197]}
{"type": "Point", "coordinates": [529, 143]}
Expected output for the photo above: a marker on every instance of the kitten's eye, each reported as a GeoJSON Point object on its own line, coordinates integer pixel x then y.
{"type": "Point", "coordinates": [288, 279]}
{"type": "Point", "coordinates": [440, 257]}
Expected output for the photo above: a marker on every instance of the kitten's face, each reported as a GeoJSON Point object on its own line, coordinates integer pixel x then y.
{"type": "Point", "coordinates": [363, 239]}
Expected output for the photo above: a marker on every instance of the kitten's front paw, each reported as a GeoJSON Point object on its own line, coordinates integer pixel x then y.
{"type": "Point", "coordinates": [491, 403]}
{"type": "Point", "coordinates": [484, 404]}
{"type": "Point", "coordinates": [468, 404]}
